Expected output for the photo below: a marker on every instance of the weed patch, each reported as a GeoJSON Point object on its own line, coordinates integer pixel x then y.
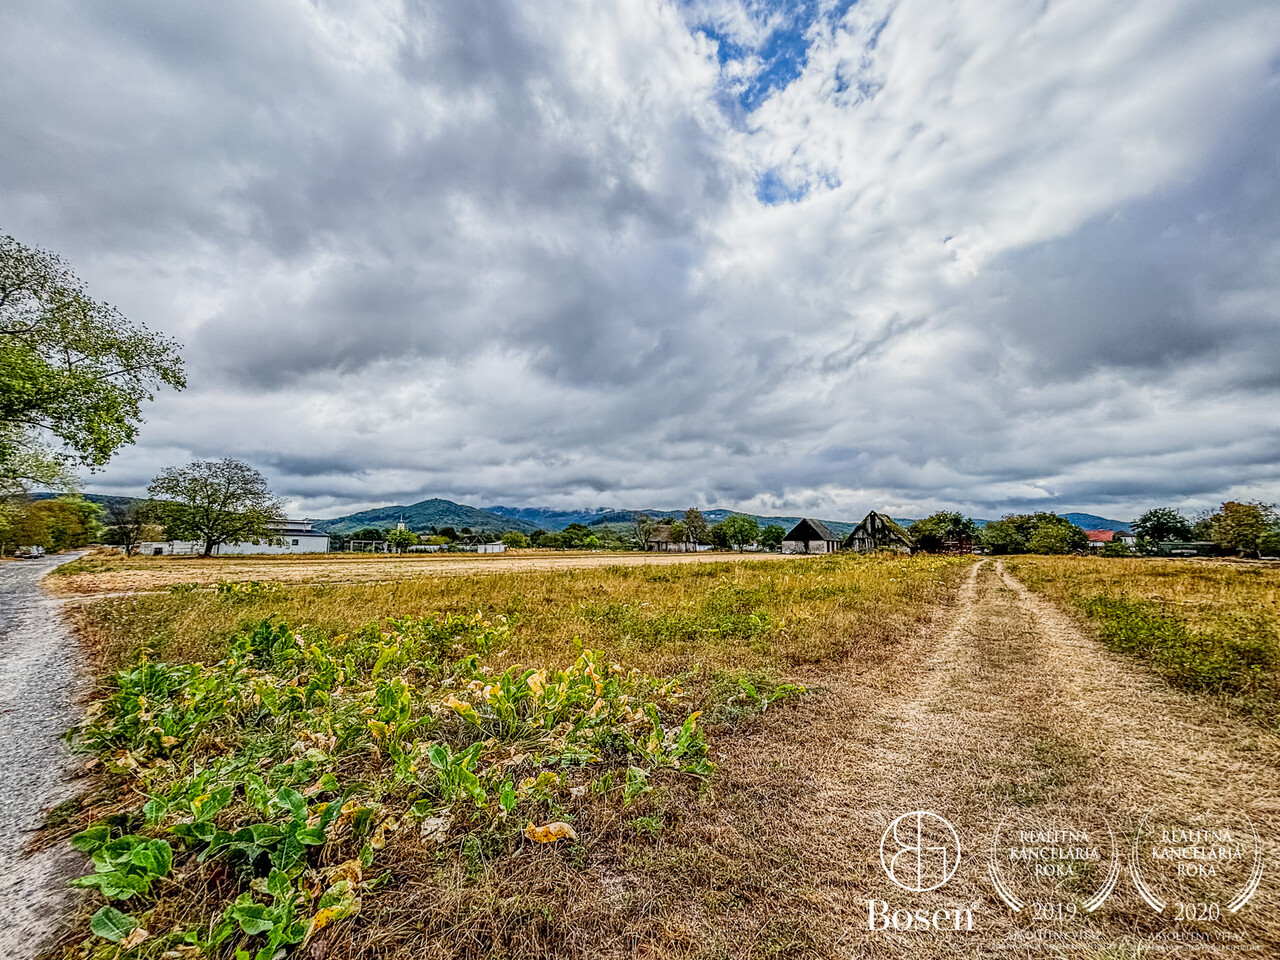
{"type": "Point", "coordinates": [1203, 627]}
{"type": "Point", "coordinates": [1235, 658]}
{"type": "Point", "coordinates": [371, 786]}
{"type": "Point", "coordinates": [281, 774]}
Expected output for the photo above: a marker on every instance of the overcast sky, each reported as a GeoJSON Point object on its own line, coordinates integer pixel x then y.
{"type": "Point", "coordinates": [789, 257]}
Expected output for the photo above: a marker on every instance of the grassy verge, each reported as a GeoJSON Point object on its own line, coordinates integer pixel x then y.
{"type": "Point", "coordinates": [1203, 627]}
{"type": "Point", "coordinates": [514, 764]}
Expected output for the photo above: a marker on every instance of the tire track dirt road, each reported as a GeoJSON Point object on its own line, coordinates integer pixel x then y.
{"type": "Point", "coordinates": [1007, 709]}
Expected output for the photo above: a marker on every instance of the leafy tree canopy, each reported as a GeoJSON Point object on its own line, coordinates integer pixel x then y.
{"type": "Point", "coordinates": [695, 525]}
{"type": "Point", "coordinates": [738, 530]}
{"type": "Point", "coordinates": [402, 539]}
{"type": "Point", "coordinates": [1033, 533]}
{"type": "Point", "coordinates": [70, 367]}
{"type": "Point", "coordinates": [933, 531]}
{"type": "Point", "coordinates": [1242, 527]}
{"type": "Point", "coordinates": [65, 523]}
{"type": "Point", "coordinates": [216, 502]}
{"type": "Point", "coordinates": [1162, 524]}
{"type": "Point", "coordinates": [772, 536]}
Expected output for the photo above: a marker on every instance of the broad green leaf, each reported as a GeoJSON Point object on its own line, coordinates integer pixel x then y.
{"type": "Point", "coordinates": [93, 839]}
{"type": "Point", "coordinates": [294, 802]}
{"type": "Point", "coordinates": [154, 856]}
{"type": "Point", "coordinates": [110, 924]}
{"type": "Point", "coordinates": [278, 884]}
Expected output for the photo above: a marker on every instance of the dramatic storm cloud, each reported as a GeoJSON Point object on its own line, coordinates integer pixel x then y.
{"type": "Point", "coordinates": [805, 257]}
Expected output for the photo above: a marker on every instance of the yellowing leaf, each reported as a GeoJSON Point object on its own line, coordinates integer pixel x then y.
{"type": "Point", "coordinates": [379, 838]}
{"type": "Point", "coordinates": [350, 870]}
{"type": "Point", "coordinates": [136, 937]}
{"type": "Point", "coordinates": [550, 832]}
{"type": "Point", "coordinates": [453, 703]}
{"type": "Point", "coordinates": [337, 903]}
{"type": "Point", "coordinates": [537, 681]}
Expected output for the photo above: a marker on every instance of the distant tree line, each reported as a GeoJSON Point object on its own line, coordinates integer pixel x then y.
{"type": "Point", "coordinates": [1246, 529]}
{"type": "Point", "coordinates": [63, 523]}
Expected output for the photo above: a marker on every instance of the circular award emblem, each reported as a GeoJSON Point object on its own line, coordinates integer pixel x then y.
{"type": "Point", "coordinates": [1196, 868]}
{"type": "Point", "coordinates": [920, 851]}
{"type": "Point", "coordinates": [1064, 864]}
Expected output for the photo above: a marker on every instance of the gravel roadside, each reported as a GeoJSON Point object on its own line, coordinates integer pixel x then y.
{"type": "Point", "coordinates": [40, 678]}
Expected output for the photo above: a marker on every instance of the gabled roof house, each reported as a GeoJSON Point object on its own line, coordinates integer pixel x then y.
{"type": "Point", "coordinates": [810, 536]}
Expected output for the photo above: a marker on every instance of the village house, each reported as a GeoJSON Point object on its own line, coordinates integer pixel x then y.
{"type": "Point", "coordinates": [1098, 539]}
{"type": "Point", "coordinates": [878, 532]}
{"type": "Point", "coordinates": [289, 536]}
{"type": "Point", "coordinates": [660, 541]}
{"type": "Point", "coordinates": [810, 536]}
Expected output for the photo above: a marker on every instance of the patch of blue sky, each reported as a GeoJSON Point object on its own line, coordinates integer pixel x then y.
{"type": "Point", "coordinates": [773, 190]}
{"type": "Point", "coordinates": [780, 57]}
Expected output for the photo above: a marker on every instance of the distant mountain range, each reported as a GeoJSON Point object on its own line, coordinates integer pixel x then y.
{"type": "Point", "coordinates": [1090, 521]}
{"type": "Point", "coordinates": [423, 515]}
{"type": "Point", "coordinates": [445, 513]}
{"type": "Point", "coordinates": [559, 519]}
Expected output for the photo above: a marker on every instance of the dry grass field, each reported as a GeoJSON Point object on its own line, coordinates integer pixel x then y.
{"type": "Point", "coordinates": [1207, 626]}
{"type": "Point", "coordinates": [748, 825]}
{"type": "Point", "coordinates": [109, 572]}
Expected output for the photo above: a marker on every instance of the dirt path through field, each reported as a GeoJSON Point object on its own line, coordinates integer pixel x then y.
{"type": "Point", "coordinates": [1004, 709]}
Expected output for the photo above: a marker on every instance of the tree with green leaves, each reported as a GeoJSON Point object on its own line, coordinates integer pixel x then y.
{"type": "Point", "coordinates": [579, 536]}
{"type": "Point", "coordinates": [216, 502]}
{"type": "Point", "coordinates": [1242, 527]}
{"type": "Point", "coordinates": [515, 540]}
{"type": "Point", "coordinates": [1162, 524]}
{"type": "Point", "coordinates": [772, 536]}
{"type": "Point", "coordinates": [695, 525]}
{"type": "Point", "coordinates": [1055, 538]}
{"type": "Point", "coordinates": [935, 530]}
{"type": "Point", "coordinates": [1033, 533]}
{"type": "Point", "coordinates": [402, 539]}
{"type": "Point", "coordinates": [739, 530]}
{"type": "Point", "coordinates": [71, 368]}
{"type": "Point", "coordinates": [62, 523]}
{"type": "Point", "coordinates": [644, 528]}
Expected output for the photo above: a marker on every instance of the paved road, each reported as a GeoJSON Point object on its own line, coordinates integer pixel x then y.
{"type": "Point", "coordinates": [39, 680]}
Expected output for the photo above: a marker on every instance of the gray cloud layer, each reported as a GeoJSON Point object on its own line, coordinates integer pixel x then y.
{"type": "Point", "coordinates": [508, 253]}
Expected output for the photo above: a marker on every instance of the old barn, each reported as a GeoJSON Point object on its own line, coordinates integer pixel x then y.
{"type": "Point", "coordinates": [810, 536]}
{"type": "Point", "coordinates": [878, 532]}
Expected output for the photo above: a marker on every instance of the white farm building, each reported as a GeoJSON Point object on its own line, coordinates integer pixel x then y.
{"type": "Point", "coordinates": [291, 536]}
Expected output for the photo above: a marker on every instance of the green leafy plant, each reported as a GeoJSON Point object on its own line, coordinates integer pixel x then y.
{"type": "Point", "coordinates": [283, 844]}
{"type": "Point", "coordinates": [123, 867]}
{"type": "Point", "coordinates": [110, 924]}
